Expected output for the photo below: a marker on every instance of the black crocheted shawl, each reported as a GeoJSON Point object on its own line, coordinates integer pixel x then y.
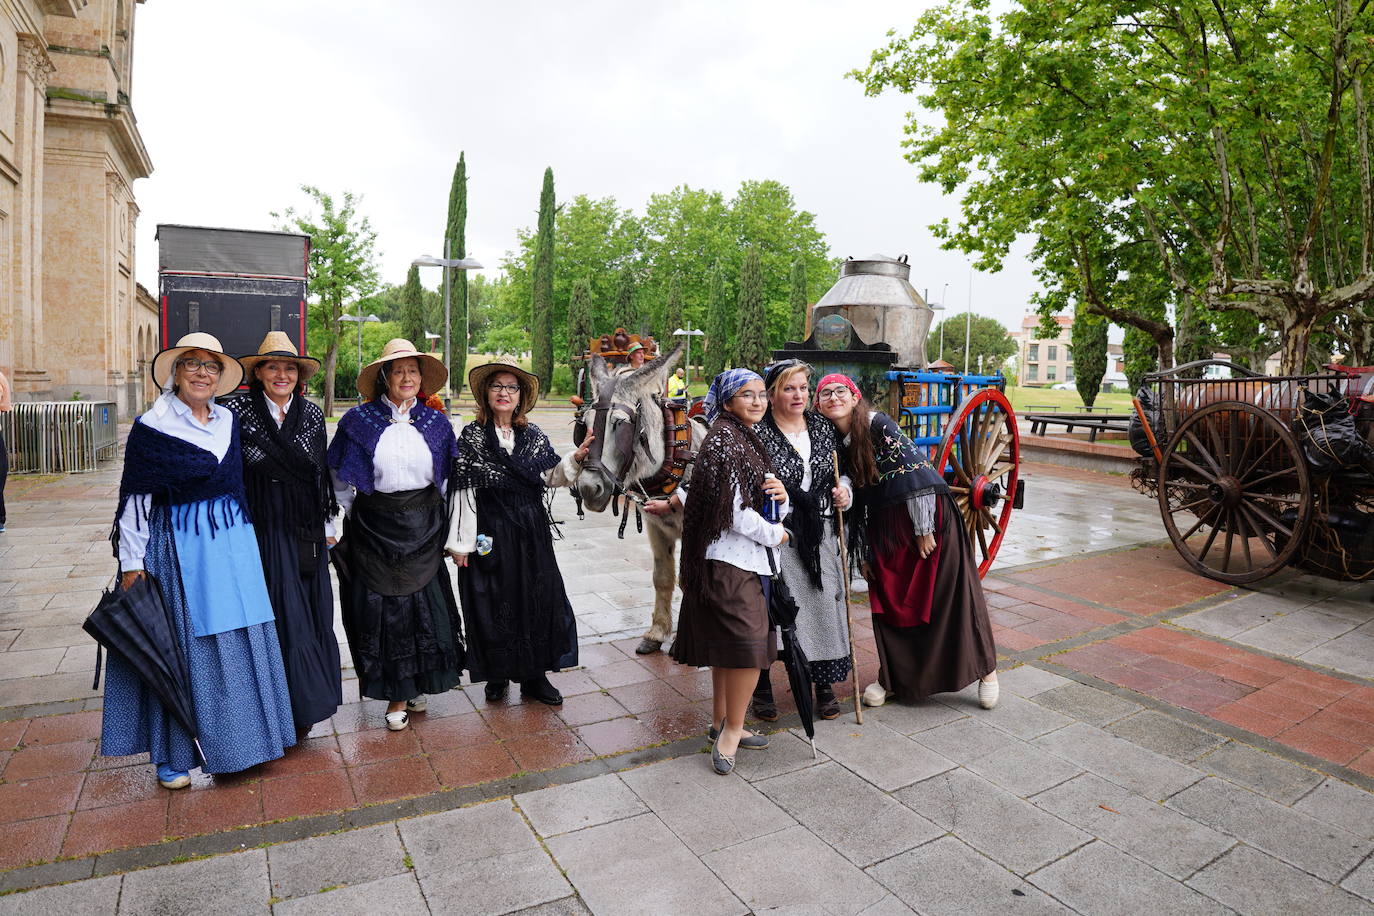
{"type": "Point", "coordinates": [177, 475]}
{"type": "Point", "coordinates": [292, 454]}
{"type": "Point", "coordinates": [806, 521]}
{"type": "Point", "coordinates": [482, 462]}
{"type": "Point", "coordinates": [732, 457]}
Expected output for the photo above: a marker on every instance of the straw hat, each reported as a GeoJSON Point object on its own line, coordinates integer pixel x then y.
{"type": "Point", "coordinates": [529, 384]}
{"type": "Point", "coordinates": [163, 364]}
{"type": "Point", "coordinates": [433, 373]}
{"type": "Point", "coordinates": [276, 345]}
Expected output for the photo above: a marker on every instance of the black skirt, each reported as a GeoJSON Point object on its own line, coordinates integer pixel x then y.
{"type": "Point", "coordinates": [297, 573]}
{"type": "Point", "coordinates": [399, 610]}
{"type": "Point", "coordinates": [727, 627]}
{"type": "Point", "coordinates": [520, 623]}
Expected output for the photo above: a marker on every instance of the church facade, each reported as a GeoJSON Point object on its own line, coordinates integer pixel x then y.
{"type": "Point", "coordinates": [73, 320]}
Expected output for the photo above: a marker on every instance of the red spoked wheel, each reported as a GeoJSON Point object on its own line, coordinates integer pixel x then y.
{"type": "Point", "coordinates": [981, 457]}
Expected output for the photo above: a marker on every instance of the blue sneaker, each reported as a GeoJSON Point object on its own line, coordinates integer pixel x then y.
{"type": "Point", "coordinates": [172, 779]}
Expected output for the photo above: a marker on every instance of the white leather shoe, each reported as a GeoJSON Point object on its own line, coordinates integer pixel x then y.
{"type": "Point", "coordinates": [875, 694]}
{"type": "Point", "coordinates": [419, 704]}
{"type": "Point", "coordinates": [397, 721]}
{"type": "Point", "coordinates": [987, 694]}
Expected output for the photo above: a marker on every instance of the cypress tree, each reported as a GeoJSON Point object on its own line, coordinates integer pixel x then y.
{"type": "Point", "coordinates": [541, 311]}
{"type": "Point", "coordinates": [672, 320]}
{"type": "Point", "coordinates": [1140, 354]}
{"type": "Point", "coordinates": [455, 232]}
{"type": "Point", "coordinates": [626, 315]}
{"type": "Point", "coordinates": [413, 310]}
{"type": "Point", "coordinates": [717, 334]}
{"type": "Point", "coordinates": [1088, 337]}
{"type": "Point", "coordinates": [796, 315]}
{"type": "Point", "coordinates": [579, 324]}
{"type": "Point", "coordinates": [751, 342]}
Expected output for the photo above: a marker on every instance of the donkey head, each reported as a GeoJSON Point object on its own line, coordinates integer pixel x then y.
{"type": "Point", "coordinates": [628, 424]}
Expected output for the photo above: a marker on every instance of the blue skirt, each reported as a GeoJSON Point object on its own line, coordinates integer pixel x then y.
{"type": "Point", "coordinates": [238, 684]}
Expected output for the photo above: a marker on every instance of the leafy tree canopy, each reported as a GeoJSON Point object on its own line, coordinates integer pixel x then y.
{"type": "Point", "coordinates": [989, 338]}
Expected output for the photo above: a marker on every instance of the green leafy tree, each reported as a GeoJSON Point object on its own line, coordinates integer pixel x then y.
{"type": "Point", "coordinates": [1089, 339]}
{"type": "Point", "coordinates": [455, 234]}
{"type": "Point", "coordinates": [796, 329]}
{"type": "Point", "coordinates": [1194, 334]}
{"type": "Point", "coordinates": [717, 326]}
{"type": "Point", "coordinates": [580, 328]}
{"type": "Point", "coordinates": [626, 313]}
{"type": "Point", "coordinates": [541, 310]}
{"type": "Point", "coordinates": [342, 266]}
{"type": "Point", "coordinates": [988, 339]}
{"type": "Point", "coordinates": [413, 309]}
{"type": "Point", "coordinates": [751, 343]}
{"type": "Point", "coordinates": [672, 315]}
{"type": "Point", "coordinates": [507, 340]}
{"type": "Point", "coordinates": [1140, 355]}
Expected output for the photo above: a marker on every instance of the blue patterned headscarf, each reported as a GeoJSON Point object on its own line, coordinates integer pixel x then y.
{"type": "Point", "coordinates": [723, 388]}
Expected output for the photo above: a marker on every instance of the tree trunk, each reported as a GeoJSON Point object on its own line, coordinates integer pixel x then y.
{"type": "Point", "coordinates": [331, 362]}
{"type": "Point", "coordinates": [1297, 327]}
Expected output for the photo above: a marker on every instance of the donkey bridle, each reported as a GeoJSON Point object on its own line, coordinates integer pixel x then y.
{"type": "Point", "coordinates": [677, 445]}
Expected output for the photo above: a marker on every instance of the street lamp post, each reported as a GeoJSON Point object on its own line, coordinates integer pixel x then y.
{"type": "Point", "coordinates": [359, 320]}
{"type": "Point", "coordinates": [689, 332]}
{"type": "Point", "coordinates": [446, 262]}
{"type": "Point", "coordinates": [968, 318]}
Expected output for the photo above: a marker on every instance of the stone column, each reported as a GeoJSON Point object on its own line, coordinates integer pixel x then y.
{"type": "Point", "coordinates": [32, 379]}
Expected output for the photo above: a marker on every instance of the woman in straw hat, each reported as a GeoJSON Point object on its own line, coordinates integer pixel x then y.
{"type": "Point", "coordinates": [182, 520]}
{"type": "Point", "coordinates": [929, 618]}
{"type": "Point", "coordinates": [292, 502]}
{"type": "Point", "coordinates": [391, 460]}
{"type": "Point", "coordinates": [520, 623]}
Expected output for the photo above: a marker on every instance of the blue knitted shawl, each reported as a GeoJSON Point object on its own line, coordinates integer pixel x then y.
{"type": "Point", "coordinates": [355, 442]}
{"type": "Point", "coordinates": [177, 475]}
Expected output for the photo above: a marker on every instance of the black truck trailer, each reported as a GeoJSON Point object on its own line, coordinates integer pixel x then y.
{"type": "Point", "coordinates": [236, 284]}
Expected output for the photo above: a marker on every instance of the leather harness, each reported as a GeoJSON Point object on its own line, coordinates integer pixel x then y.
{"type": "Point", "coordinates": [677, 445]}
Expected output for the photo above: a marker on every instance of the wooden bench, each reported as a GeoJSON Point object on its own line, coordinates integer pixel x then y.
{"type": "Point", "coordinates": [1093, 423]}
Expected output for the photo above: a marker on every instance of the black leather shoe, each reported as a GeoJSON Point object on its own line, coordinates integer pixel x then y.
{"type": "Point", "coordinates": [827, 707]}
{"type": "Point", "coordinates": [542, 691]}
{"type": "Point", "coordinates": [496, 690]}
{"type": "Point", "coordinates": [762, 705]}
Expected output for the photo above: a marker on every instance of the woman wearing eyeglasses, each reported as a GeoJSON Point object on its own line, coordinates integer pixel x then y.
{"type": "Point", "coordinates": [930, 621]}
{"type": "Point", "coordinates": [723, 623]}
{"type": "Point", "coordinates": [520, 622]}
{"type": "Point", "coordinates": [183, 520]}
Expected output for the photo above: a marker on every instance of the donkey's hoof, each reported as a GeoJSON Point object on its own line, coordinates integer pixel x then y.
{"type": "Point", "coordinates": [648, 646]}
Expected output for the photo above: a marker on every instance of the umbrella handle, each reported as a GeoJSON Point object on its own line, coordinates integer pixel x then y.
{"type": "Point", "coordinates": [848, 614]}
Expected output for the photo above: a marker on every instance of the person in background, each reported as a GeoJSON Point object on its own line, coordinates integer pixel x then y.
{"type": "Point", "coordinates": [677, 384]}
{"type": "Point", "coordinates": [930, 621]}
{"type": "Point", "coordinates": [391, 461]}
{"type": "Point", "coordinates": [292, 503]}
{"type": "Point", "coordinates": [182, 519]}
{"type": "Point", "coordinates": [520, 622]}
{"type": "Point", "coordinates": [5, 407]}
{"type": "Point", "coordinates": [801, 446]}
{"type": "Point", "coordinates": [723, 623]}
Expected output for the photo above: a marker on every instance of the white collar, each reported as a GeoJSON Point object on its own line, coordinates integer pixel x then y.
{"type": "Point", "coordinates": [272, 405]}
{"type": "Point", "coordinates": [399, 411]}
{"type": "Point", "coordinates": [170, 401]}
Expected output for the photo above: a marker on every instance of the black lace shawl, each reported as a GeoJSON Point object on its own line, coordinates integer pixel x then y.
{"type": "Point", "coordinates": [482, 462]}
{"type": "Point", "coordinates": [806, 521]}
{"type": "Point", "coordinates": [292, 454]}
{"type": "Point", "coordinates": [732, 457]}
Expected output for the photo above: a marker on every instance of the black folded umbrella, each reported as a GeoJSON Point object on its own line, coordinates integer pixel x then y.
{"type": "Point", "coordinates": [135, 624]}
{"type": "Point", "coordinates": [782, 613]}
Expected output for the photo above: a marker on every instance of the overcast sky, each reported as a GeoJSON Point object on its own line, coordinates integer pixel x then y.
{"type": "Point", "coordinates": [240, 103]}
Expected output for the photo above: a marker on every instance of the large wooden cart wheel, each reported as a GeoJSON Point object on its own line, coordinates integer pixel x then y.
{"type": "Point", "coordinates": [1234, 492]}
{"type": "Point", "coordinates": [980, 457]}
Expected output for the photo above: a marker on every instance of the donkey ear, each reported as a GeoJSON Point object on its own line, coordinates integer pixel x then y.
{"type": "Point", "coordinates": [597, 365]}
{"type": "Point", "coordinates": [661, 367]}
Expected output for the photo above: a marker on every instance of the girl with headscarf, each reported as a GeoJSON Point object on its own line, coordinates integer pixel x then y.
{"type": "Point", "coordinates": [801, 446]}
{"type": "Point", "coordinates": [292, 501]}
{"type": "Point", "coordinates": [930, 621]}
{"type": "Point", "coordinates": [723, 623]}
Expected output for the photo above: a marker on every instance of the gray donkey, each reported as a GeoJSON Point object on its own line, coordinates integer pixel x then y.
{"type": "Point", "coordinates": [635, 453]}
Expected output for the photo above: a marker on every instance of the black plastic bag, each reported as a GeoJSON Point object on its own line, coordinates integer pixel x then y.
{"type": "Point", "coordinates": [1330, 441]}
{"type": "Point", "coordinates": [1135, 432]}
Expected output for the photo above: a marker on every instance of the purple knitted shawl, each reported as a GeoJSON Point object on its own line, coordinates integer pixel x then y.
{"type": "Point", "coordinates": [355, 442]}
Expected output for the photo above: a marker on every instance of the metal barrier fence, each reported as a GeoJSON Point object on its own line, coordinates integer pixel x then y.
{"type": "Point", "coordinates": [60, 437]}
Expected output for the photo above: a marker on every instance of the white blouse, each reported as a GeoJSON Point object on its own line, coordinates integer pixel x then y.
{"type": "Point", "coordinates": [462, 526]}
{"type": "Point", "coordinates": [402, 460]}
{"type": "Point", "coordinates": [746, 542]}
{"type": "Point", "coordinates": [801, 441]}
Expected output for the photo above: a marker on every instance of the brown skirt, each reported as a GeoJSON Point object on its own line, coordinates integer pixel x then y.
{"type": "Point", "coordinates": [956, 648]}
{"type": "Point", "coordinates": [727, 627]}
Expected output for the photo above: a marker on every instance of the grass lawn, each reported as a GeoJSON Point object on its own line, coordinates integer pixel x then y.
{"type": "Point", "coordinates": [1022, 400]}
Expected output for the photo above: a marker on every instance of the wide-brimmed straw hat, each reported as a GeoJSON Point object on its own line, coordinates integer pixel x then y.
{"type": "Point", "coordinates": [276, 345]}
{"type": "Point", "coordinates": [529, 384]}
{"type": "Point", "coordinates": [165, 362]}
{"type": "Point", "coordinates": [433, 373]}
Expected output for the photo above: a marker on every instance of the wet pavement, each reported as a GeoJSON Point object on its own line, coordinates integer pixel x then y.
{"type": "Point", "coordinates": [1158, 734]}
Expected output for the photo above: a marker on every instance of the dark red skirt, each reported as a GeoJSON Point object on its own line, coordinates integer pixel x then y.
{"type": "Point", "coordinates": [953, 647]}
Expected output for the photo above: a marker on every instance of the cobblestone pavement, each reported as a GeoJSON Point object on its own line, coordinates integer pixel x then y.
{"type": "Point", "coordinates": [1160, 738]}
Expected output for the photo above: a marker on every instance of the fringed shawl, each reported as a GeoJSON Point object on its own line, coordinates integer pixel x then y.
{"type": "Point", "coordinates": [355, 442]}
{"type": "Point", "coordinates": [806, 520]}
{"type": "Point", "coordinates": [903, 474]}
{"type": "Point", "coordinates": [177, 475]}
{"type": "Point", "coordinates": [732, 457]}
{"type": "Point", "coordinates": [292, 454]}
{"type": "Point", "coordinates": [482, 462]}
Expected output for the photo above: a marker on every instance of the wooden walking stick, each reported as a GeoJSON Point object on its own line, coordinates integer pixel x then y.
{"type": "Point", "coordinates": [848, 614]}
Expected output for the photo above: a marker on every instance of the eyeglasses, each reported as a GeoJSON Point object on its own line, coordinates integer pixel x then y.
{"type": "Point", "coordinates": [209, 365]}
{"type": "Point", "coordinates": [752, 395]}
{"type": "Point", "coordinates": [508, 389]}
{"type": "Point", "coordinates": [839, 392]}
